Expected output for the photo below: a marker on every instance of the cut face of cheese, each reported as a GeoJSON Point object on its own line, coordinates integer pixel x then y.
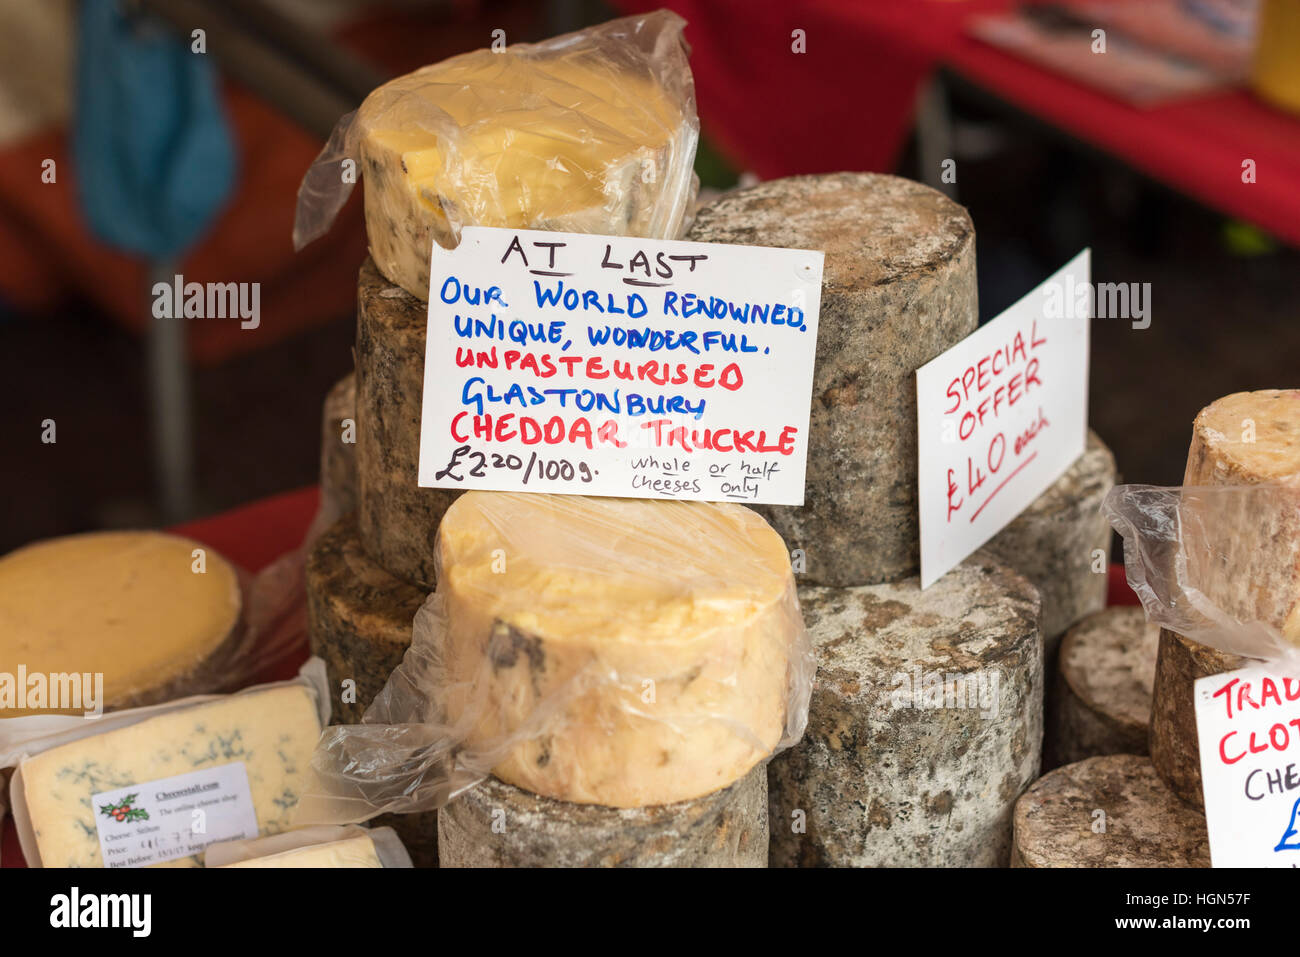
{"type": "Point", "coordinates": [271, 732]}
{"type": "Point", "coordinates": [354, 852]}
{"type": "Point", "coordinates": [128, 605]}
{"type": "Point", "coordinates": [523, 138]}
{"type": "Point", "coordinates": [1245, 554]}
{"type": "Point", "coordinates": [632, 652]}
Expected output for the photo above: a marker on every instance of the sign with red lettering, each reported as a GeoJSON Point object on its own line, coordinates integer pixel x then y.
{"type": "Point", "coordinates": [1248, 726]}
{"type": "Point", "coordinates": [1000, 416]}
{"type": "Point", "coordinates": [611, 365]}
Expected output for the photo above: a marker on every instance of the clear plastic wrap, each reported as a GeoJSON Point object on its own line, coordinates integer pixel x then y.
{"type": "Point", "coordinates": [80, 603]}
{"type": "Point", "coordinates": [592, 132]}
{"type": "Point", "coordinates": [348, 846]}
{"type": "Point", "coordinates": [1218, 565]}
{"type": "Point", "coordinates": [594, 650]}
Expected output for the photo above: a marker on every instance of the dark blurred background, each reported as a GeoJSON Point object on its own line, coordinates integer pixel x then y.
{"type": "Point", "coordinates": [1142, 161]}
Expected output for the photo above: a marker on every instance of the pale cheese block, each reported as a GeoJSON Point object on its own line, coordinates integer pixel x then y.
{"type": "Point", "coordinates": [272, 732]}
{"type": "Point", "coordinates": [678, 621]}
{"type": "Point", "coordinates": [1107, 671]}
{"type": "Point", "coordinates": [127, 605]}
{"type": "Point", "coordinates": [1107, 811]}
{"type": "Point", "coordinates": [925, 725]}
{"type": "Point", "coordinates": [898, 289]}
{"type": "Point", "coordinates": [356, 851]}
{"type": "Point", "coordinates": [497, 825]}
{"type": "Point", "coordinates": [1251, 567]}
{"type": "Point", "coordinates": [524, 139]}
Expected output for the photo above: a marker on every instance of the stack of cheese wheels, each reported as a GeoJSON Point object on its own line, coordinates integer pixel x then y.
{"type": "Point", "coordinates": [898, 289]}
{"type": "Point", "coordinates": [925, 725]}
{"type": "Point", "coordinates": [569, 139]}
{"type": "Point", "coordinates": [622, 653]}
{"type": "Point", "coordinates": [1103, 697]}
{"type": "Point", "coordinates": [1061, 543]}
{"type": "Point", "coordinates": [1107, 811]}
{"type": "Point", "coordinates": [1246, 559]}
{"type": "Point", "coordinates": [81, 604]}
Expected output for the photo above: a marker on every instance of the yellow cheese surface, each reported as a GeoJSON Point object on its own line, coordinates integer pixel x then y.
{"type": "Point", "coordinates": [1247, 438]}
{"type": "Point", "coordinates": [128, 605]}
{"type": "Point", "coordinates": [356, 851]}
{"type": "Point", "coordinates": [563, 137]}
{"type": "Point", "coordinates": [272, 732]}
{"type": "Point", "coordinates": [657, 635]}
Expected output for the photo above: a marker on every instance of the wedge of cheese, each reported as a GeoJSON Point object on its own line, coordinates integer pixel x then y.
{"type": "Point", "coordinates": [272, 732]}
{"type": "Point", "coordinates": [353, 852]}
{"type": "Point", "coordinates": [148, 611]}
{"type": "Point", "coordinates": [554, 136]}
{"type": "Point", "coordinates": [1244, 550]}
{"type": "Point", "coordinates": [625, 652]}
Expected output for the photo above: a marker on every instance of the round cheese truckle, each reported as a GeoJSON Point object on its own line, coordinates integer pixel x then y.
{"type": "Point", "coordinates": [1107, 811]}
{"type": "Point", "coordinates": [1054, 543]}
{"type": "Point", "coordinates": [592, 132]}
{"type": "Point", "coordinates": [611, 651]}
{"type": "Point", "coordinates": [359, 621]}
{"type": "Point", "coordinates": [397, 519]}
{"type": "Point", "coordinates": [925, 725]}
{"type": "Point", "coordinates": [497, 825]}
{"type": "Point", "coordinates": [898, 288]}
{"type": "Point", "coordinates": [1245, 557]}
{"type": "Point", "coordinates": [1175, 751]}
{"type": "Point", "coordinates": [1102, 703]}
{"type": "Point", "coordinates": [83, 603]}
{"type": "Point", "coordinates": [338, 449]}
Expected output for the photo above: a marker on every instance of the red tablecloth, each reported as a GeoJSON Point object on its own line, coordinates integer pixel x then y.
{"type": "Point", "coordinates": [257, 534]}
{"type": "Point", "coordinates": [848, 102]}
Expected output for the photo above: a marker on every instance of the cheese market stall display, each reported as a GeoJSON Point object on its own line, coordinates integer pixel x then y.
{"type": "Point", "coordinates": [1104, 681]}
{"type": "Point", "coordinates": [257, 742]}
{"type": "Point", "coordinates": [81, 604]}
{"type": "Point", "coordinates": [925, 723]}
{"type": "Point", "coordinates": [615, 652]}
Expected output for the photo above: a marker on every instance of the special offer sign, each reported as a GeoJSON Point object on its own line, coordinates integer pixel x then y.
{"type": "Point", "coordinates": [603, 365]}
{"type": "Point", "coordinates": [1000, 416]}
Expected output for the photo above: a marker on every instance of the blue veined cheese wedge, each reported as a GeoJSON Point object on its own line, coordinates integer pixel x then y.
{"type": "Point", "coordinates": [356, 851]}
{"type": "Point", "coordinates": [271, 732]}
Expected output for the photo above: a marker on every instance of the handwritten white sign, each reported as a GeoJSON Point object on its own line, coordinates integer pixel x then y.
{"type": "Point", "coordinates": [1248, 728]}
{"type": "Point", "coordinates": [1000, 416]}
{"type": "Point", "coordinates": [603, 365]}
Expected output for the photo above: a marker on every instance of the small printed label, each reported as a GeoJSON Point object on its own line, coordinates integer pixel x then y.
{"type": "Point", "coordinates": [1248, 726]}
{"type": "Point", "coordinates": [610, 365]}
{"type": "Point", "coordinates": [162, 820]}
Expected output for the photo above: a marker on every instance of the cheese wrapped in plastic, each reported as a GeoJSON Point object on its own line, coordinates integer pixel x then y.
{"type": "Point", "coordinates": [314, 847]}
{"type": "Point", "coordinates": [591, 132]}
{"type": "Point", "coordinates": [595, 650]}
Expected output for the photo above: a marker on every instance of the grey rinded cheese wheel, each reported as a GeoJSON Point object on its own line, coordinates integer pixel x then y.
{"type": "Point", "coordinates": [903, 763]}
{"type": "Point", "coordinates": [1054, 541]}
{"type": "Point", "coordinates": [498, 825]}
{"type": "Point", "coordinates": [338, 448]}
{"type": "Point", "coordinates": [358, 617]}
{"type": "Point", "coordinates": [1175, 751]}
{"type": "Point", "coordinates": [359, 621]}
{"type": "Point", "coordinates": [1102, 703]}
{"type": "Point", "coordinates": [396, 517]}
{"type": "Point", "coordinates": [1108, 811]}
{"type": "Point", "coordinates": [1244, 439]}
{"type": "Point", "coordinates": [898, 289]}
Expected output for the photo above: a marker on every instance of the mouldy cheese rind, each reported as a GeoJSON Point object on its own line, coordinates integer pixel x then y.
{"type": "Point", "coordinates": [272, 732]}
{"type": "Point", "coordinates": [594, 132]}
{"type": "Point", "coordinates": [898, 289]}
{"type": "Point", "coordinates": [626, 652]}
{"type": "Point", "coordinates": [83, 603]}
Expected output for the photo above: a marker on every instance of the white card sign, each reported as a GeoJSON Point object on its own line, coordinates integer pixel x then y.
{"type": "Point", "coordinates": [605, 365]}
{"type": "Point", "coordinates": [1248, 729]}
{"type": "Point", "coordinates": [1000, 416]}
